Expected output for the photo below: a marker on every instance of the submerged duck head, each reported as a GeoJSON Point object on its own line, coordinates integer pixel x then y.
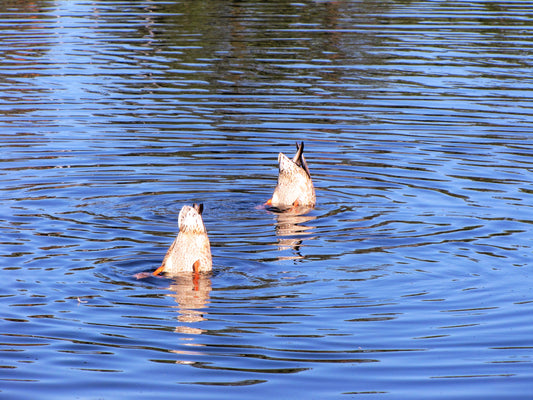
{"type": "Point", "coordinates": [295, 187]}
{"type": "Point", "coordinates": [191, 250]}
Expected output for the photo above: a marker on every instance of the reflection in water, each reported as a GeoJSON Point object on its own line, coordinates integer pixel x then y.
{"type": "Point", "coordinates": [191, 292]}
{"type": "Point", "coordinates": [22, 60]}
{"type": "Point", "coordinates": [418, 116]}
{"type": "Point", "coordinates": [291, 231]}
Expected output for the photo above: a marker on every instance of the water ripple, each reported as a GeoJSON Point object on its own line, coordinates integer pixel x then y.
{"type": "Point", "coordinates": [409, 275]}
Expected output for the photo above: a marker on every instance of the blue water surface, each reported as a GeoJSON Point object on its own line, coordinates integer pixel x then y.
{"type": "Point", "coordinates": [409, 280]}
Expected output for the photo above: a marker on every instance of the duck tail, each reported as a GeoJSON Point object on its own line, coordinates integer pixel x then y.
{"type": "Point", "coordinates": [299, 153]}
{"type": "Point", "coordinates": [299, 158]}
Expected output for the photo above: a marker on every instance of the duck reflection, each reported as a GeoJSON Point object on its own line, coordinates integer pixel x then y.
{"type": "Point", "coordinates": [291, 230]}
{"type": "Point", "coordinates": [294, 196]}
{"type": "Point", "coordinates": [191, 291]}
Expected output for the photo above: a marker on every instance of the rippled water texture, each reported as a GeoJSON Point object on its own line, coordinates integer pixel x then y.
{"type": "Point", "coordinates": [411, 279]}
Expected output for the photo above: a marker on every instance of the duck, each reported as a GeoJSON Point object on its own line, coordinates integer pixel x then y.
{"type": "Point", "coordinates": [295, 187]}
{"type": "Point", "coordinates": [191, 250]}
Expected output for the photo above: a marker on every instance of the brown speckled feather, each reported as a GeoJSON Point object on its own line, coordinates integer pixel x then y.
{"type": "Point", "coordinates": [191, 246]}
{"type": "Point", "coordinates": [295, 186]}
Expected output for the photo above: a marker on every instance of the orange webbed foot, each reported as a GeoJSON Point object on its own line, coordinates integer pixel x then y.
{"type": "Point", "coordinates": [158, 271]}
{"type": "Point", "coordinates": [196, 275]}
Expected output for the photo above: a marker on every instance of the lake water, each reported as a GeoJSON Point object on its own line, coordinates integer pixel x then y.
{"type": "Point", "coordinates": [411, 279]}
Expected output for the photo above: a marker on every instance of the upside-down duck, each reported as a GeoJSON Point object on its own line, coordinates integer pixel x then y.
{"type": "Point", "coordinates": [295, 187]}
{"type": "Point", "coordinates": [190, 251]}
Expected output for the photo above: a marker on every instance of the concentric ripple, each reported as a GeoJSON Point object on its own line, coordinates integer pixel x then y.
{"type": "Point", "coordinates": [410, 279]}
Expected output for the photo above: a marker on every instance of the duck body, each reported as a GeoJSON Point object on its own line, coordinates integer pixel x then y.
{"type": "Point", "coordinates": [295, 186]}
{"type": "Point", "coordinates": [191, 250]}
